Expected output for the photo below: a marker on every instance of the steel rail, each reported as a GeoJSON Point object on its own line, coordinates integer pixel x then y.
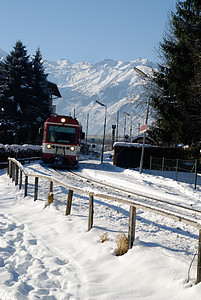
{"type": "Point", "coordinates": [142, 196]}
{"type": "Point", "coordinates": [167, 212]}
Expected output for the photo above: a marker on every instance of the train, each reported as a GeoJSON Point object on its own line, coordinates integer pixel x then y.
{"type": "Point", "coordinates": [62, 136]}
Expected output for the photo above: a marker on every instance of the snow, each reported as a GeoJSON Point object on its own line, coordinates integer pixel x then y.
{"type": "Point", "coordinates": [47, 255]}
{"type": "Point", "coordinates": [113, 83]}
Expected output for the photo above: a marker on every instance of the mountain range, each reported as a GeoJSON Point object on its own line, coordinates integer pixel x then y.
{"type": "Point", "coordinates": [113, 83]}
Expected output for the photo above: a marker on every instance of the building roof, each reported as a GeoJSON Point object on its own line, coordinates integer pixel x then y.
{"type": "Point", "coordinates": [53, 89]}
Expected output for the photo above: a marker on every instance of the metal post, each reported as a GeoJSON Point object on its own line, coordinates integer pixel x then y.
{"type": "Point", "coordinates": [104, 135]}
{"type": "Point", "coordinates": [131, 131]}
{"type": "Point", "coordinates": [104, 128]}
{"type": "Point", "coordinates": [144, 137]}
{"type": "Point", "coordinates": [87, 132]}
{"type": "Point", "coordinates": [130, 125]}
{"type": "Point", "coordinates": [124, 126]}
{"type": "Point", "coordinates": [113, 135]}
{"type": "Point", "coordinates": [141, 73]}
{"type": "Point", "coordinates": [117, 132]}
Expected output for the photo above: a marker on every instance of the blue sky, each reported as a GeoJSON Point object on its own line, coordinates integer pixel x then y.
{"type": "Point", "coordinates": [85, 30]}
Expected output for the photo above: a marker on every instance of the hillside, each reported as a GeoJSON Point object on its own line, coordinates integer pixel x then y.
{"type": "Point", "coordinates": [113, 83]}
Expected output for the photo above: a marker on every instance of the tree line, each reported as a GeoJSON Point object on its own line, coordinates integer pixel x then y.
{"type": "Point", "coordinates": [24, 96]}
{"type": "Point", "coordinates": [177, 105]}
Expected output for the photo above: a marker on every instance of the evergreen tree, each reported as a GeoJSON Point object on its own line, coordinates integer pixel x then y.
{"type": "Point", "coordinates": [41, 105]}
{"type": "Point", "coordinates": [24, 95]}
{"type": "Point", "coordinates": [179, 106]}
{"type": "Point", "coordinates": [17, 91]}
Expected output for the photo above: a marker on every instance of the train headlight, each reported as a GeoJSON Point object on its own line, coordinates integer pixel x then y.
{"type": "Point", "coordinates": [49, 146]}
{"type": "Point", "coordinates": [63, 120]}
{"type": "Point", "coordinates": [72, 148]}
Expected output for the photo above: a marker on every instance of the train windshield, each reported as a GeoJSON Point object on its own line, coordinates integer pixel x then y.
{"type": "Point", "coordinates": [61, 134]}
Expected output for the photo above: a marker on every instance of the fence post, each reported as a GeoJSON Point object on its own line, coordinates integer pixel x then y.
{"type": "Point", "coordinates": [16, 174]}
{"type": "Point", "coordinates": [51, 187]}
{"type": "Point", "coordinates": [150, 164]}
{"type": "Point", "coordinates": [91, 211]}
{"type": "Point", "coordinates": [199, 259]}
{"type": "Point", "coordinates": [131, 226]}
{"type": "Point", "coordinates": [20, 185]}
{"type": "Point", "coordinates": [25, 185]}
{"type": "Point", "coordinates": [195, 178]}
{"type": "Point", "coordinates": [36, 189]}
{"type": "Point", "coordinates": [69, 202]}
{"type": "Point", "coordinates": [13, 171]}
{"type": "Point", "coordinates": [9, 168]}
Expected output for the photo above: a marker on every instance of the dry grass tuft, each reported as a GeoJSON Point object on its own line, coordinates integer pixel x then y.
{"type": "Point", "coordinates": [122, 244]}
{"type": "Point", "coordinates": [104, 237]}
{"type": "Point", "coordinates": [50, 198]}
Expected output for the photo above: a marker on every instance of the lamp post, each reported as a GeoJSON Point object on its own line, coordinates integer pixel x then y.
{"type": "Point", "coordinates": [117, 132]}
{"type": "Point", "coordinates": [87, 133]}
{"type": "Point", "coordinates": [100, 103]}
{"type": "Point", "coordinates": [146, 120]}
{"type": "Point", "coordinates": [130, 125]}
{"type": "Point", "coordinates": [124, 126]}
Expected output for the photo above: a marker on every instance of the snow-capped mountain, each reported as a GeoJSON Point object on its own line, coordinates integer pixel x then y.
{"type": "Point", "coordinates": [113, 83]}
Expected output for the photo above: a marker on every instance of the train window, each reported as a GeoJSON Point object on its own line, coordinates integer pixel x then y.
{"type": "Point", "coordinates": [61, 134]}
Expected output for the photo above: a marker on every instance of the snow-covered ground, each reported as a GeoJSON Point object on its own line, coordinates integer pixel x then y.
{"type": "Point", "coordinates": [47, 255]}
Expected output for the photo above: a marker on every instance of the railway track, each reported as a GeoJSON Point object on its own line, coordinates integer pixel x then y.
{"type": "Point", "coordinates": [139, 198]}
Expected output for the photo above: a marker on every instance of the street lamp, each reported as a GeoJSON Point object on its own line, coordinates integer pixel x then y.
{"type": "Point", "coordinates": [146, 120]}
{"type": "Point", "coordinates": [104, 128]}
{"type": "Point", "coordinates": [124, 126]}
{"type": "Point", "coordinates": [130, 125]}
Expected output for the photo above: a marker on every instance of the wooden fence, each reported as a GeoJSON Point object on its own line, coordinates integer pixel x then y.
{"type": "Point", "coordinates": [15, 171]}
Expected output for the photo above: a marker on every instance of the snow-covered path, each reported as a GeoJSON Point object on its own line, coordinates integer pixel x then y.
{"type": "Point", "coordinates": [30, 263]}
{"type": "Point", "coordinates": [46, 255]}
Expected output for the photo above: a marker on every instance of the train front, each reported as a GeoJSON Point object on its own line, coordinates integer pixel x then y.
{"type": "Point", "coordinates": [61, 141]}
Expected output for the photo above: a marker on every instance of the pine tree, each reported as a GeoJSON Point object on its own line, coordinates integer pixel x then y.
{"type": "Point", "coordinates": [40, 89]}
{"type": "Point", "coordinates": [24, 95]}
{"type": "Point", "coordinates": [178, 109]}
{"type": "Point", "coordinates": [17, 90]}
{"type": "Point", "coordinates": [41, 109]}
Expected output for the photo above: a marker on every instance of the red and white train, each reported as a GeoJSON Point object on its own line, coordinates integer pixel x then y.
{"type": "Point", "coordinates": [61, 140]}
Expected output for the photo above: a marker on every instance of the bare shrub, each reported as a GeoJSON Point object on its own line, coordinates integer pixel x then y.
{"type": "Point", "coordinates": [50, 198]}
{"type": "Point", "coordinates": [104, 237]}
{"type": "Point", "coordinates": [122, 244]}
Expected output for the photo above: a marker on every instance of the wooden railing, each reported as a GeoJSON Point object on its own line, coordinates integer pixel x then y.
{"type": "Point", "coordinates": [15, 171]}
